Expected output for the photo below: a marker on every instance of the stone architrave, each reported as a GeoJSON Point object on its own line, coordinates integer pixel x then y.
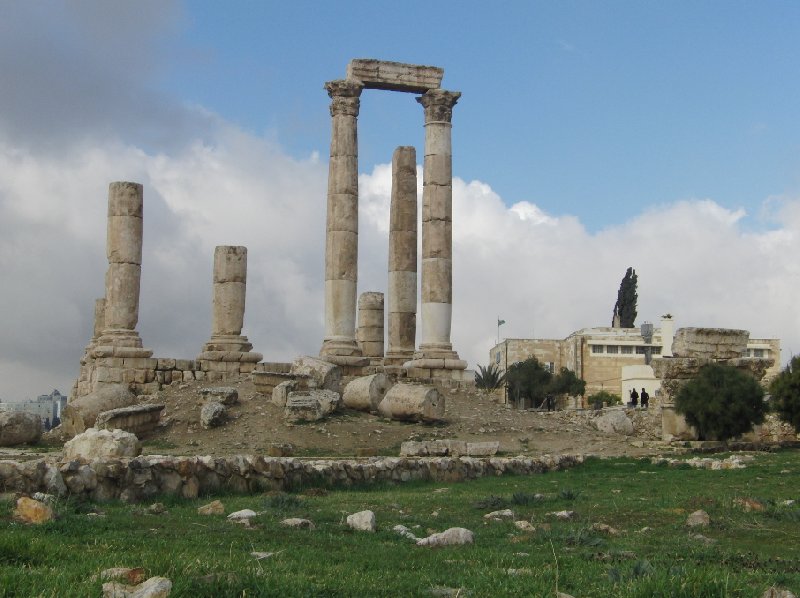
{"type": "Point", "coordinates": [124, 251]}
{"type": "Point", "coordinates": [341, 243]}
{"type": "Point", "coordinates": [435, 350]}
{"type": "Point", "coordinates": [370, 326]}
{"type": "Point", "coordinates": [402, 299]}
{"type": "Point", "coordinates": [227, 320]}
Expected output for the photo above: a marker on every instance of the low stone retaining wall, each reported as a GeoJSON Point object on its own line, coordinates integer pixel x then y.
{"type": "Point", "coordinates": [144, 477]}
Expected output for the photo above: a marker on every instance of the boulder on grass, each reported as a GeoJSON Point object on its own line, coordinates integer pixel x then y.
{"type": "Point", "coordinates": [19, 428]}
{"type": "Point", "coordinates": [614, 422]}
{"type": "Point", "coordinates": [102, 444]}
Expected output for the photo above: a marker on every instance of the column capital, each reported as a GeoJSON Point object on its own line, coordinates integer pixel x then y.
{"type": "Point", "coordinates": [438, 104]}
{"type": "Point", "coordinates": [344, 94]}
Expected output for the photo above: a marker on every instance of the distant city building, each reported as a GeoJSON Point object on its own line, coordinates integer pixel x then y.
{"type": "Point", "coordinates": [48, 407]}
{"type": "Point", "coordinates": [614, 359]}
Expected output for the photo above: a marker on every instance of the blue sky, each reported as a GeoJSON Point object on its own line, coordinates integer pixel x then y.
{"type": "Point", "coordinates": [590, 137]}
{"type": "Point", "coordinates": [594, 109]}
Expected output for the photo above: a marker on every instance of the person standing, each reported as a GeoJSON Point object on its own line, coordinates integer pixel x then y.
{"type": "Point", "coordinates": [634, 397]}
{"type": "Point", "coordinates": [645, 399]}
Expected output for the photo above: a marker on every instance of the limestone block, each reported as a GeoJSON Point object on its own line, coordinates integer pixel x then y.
{"type": "Point", "coordinates": [162, 363]}
{"type": "Point", "coordinates": [713, 343]}
{"type": "Point", "coordinates": [366, 393]}
{"type": "Point", "coordinates": [135, 419]}
{"type": "Point", "coordinates": [413, 402]}
{"type": "Point", "coordinates": [281, 392]}
{"type": "Point", "coordinates": [438, 170]}
{"type": "Point", "coordinates": [102, 444]}
{"type": "Point", "coordinates": [246, 367]}
{"type": "Point", "coordinates": [341, 251]}
{"type": "Point", "coordinates": [228, 308]}
{"type": "Point", "coordinates": [125, 199]}
{"type": "Point", "coordinates": [403, 212]}
{"type": "Point", "coordinates": [324, 374]}
{"type": "Point", "coordinates": [212, 414]}
{"type": "Point", "coordinates": [394, 76]}
{"type": "Point", "coordinates": [227, 395]}
{"type": "Point", "coordinates": [122, 296]}
{"type": "Point", "coordinates": [19, 428]}
{"type": "Point", "coordinates": [482, 449]}
{"type": "Point", "coordinates": [81, 413]}
{"type": "Point", "coordinates": [403, 251]}
{"type": "Point", "coordinates": [438, 140]}
{"type": "Point", "coordinates": [449, 537]}
{"type": "Point", "coordinates": [343, 175]}
{"type": "Point", "coordinates": [302, 408]}
{"type": "Point", "coordinates": [437, 280]}
{"type": "Point", "coordinates": [124, 242]}
{"type": "Point", "coordinates": [403, 291]}
{"type": "Point", "coordinates": [614, 422]}
{"type": "Point", "coordinates": [344, 136]}
{"type": "Point", "coordinates": [230, 264]}
{"type": "Point", "coordinates": [372, 349]}
{"type": "Point", "coordinates": [343, 212]}
{"type": "Point", "coordinates": [674, 425]}
{"type": "Point", "coordinates": [437, 239]}
{"type": "Point", "coordinates": [362, 521]}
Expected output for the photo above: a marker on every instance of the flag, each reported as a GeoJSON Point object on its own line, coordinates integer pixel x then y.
{"type": "Point", "coordinates": [500, 322]}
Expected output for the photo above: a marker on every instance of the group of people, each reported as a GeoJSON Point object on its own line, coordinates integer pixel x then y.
{"type": "Point", "coordinates": [635, 396]}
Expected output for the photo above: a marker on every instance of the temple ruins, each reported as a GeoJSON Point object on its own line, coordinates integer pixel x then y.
{"type": "Point", "coordinates": [355, 335]}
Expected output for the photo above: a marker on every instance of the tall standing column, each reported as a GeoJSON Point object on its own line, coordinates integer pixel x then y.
{"type": "Point", "coordinates": [341, 241]}
{"type": "Point", "coordinates": [124, 252]}
{"type": "Point", "coordinates": [402, 257]}
{"type": "Point", "coordinates": [437, 234]}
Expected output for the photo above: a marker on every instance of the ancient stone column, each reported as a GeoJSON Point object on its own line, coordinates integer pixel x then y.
{"type": "Point", "coordinates": [341, 242]}
{"type": "Point", "coordinates": [437, 234]}
{"type": "Point", "coordinates": [227, 319]}
{"type": "Point", "coordinates": [402, 298]}
{"type": "Point", "coordinates": [124, 251]}
{"type": "Point", "coordinates": [370, 326]}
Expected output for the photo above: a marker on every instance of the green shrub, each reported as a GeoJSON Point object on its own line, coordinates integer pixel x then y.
{"type": "Point", "coordinates": [785, 391]}
{"type": "Point", "coordinates": [721, 402]}
{"type": "Point", "coordinates": [605, 397]}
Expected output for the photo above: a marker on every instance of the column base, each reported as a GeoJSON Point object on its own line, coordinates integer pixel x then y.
{"type": "Point", "coordinates": [228, 342]}
{"type": "Point", "coordinates": [231, 356]}
{"type": "Point", "coordinates": [339, 347]}
{"type": "Point", "coordinates": [397, 358]}
{"type": "Point", "coordinates": [119, 343]}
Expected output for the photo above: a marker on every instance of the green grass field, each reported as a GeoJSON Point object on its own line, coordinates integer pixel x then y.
{"type": "Point", "coordinates": [744, 554]}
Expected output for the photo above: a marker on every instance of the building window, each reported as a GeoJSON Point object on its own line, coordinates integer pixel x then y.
{"type": "Point", "coordinates": [758, 353]}
{"type": "Point", "coordinates": [626, 349]}
{"type": "Point", "coordinates": [597, 348]}
{"type": "Point", "coordinates": [656, 350]}
{"type": "Point", "coordinates": [640, 350]}
{"type": "Point", "coordinates": [612, 349]}
{"type": "Point", "coordinates": [497, 357]}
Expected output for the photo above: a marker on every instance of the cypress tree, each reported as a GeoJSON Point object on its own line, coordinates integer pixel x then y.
{"type": "Point", "coordinates": [625, 308]}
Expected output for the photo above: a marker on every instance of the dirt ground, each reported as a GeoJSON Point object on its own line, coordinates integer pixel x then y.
{"type": "Point", "coordinates": [254, 424]}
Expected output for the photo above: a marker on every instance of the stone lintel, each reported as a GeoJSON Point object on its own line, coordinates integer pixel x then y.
{"type": "Point", "coordinates": [394, 76]}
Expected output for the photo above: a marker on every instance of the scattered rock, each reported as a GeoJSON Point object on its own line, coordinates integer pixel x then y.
{"type": "Point", "coordinates": [32, 511]}
{"type": "Point", "coordinates": [321, 373]}
{"type": "Point", "coordinates": [242, 515]}
{"type": "Point", "coordinates": [157, 508]}
{"type": "Point", "coordinates": [500, 515]}
{"type": "Point", "coordinates": [704, 539]}
{"type": "Point", "coordinates": [212, 415]}
{"type": "Point", "coordinates": [524, 526]}
{"type": "Point", "coordinates": [80, 413]}
{"type": "Point", "coordinates": [413, 402]}
{"type": "Point", "coordinates": [280, 449]}
{"type": "Point", "coordinates": [102, 444]}
{"type": "Point", "coordinates": [298, 523]}
{"type": "Point", "coordinates": [155, 587]}
{"type": "Point", "coordinates": [281, 392]}
{"type": "Point", "coordinates": [212, 508]}
{"type": "Point", "coordinates": [698, 519]}
{"type": "Point", "coordinates": [775, 592]}
{"type": "Point", "coordinates": [363, 521]}
{"type": "Point", "coordinates": [405, 532]}
{"type": "Point", "coordinates": [445, 592]}
{"type": "Point", "coordinates": [19, 428]}
{"type": "Point", "coordinates": [310, 405]}
{"type": "Point", "coordinates": [604, 529]}
{"type": "Point", "coordinates": [227, 395]}
{"type": "Point", "coordinates": [563, 515]}
{"type": "Point", "coordinates": [749, 504]}
{"type": "Point", "coordinates": [47, 499]}
{"type": "Point", "coordinates": [132, 576]}
{"type": "Point", "coordinates": [449, 537]}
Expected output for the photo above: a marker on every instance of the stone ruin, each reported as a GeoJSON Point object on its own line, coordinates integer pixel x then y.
{"type": "Point", "coordinates": [116, 357]}
{"type": "Point", "coordinates": [692, 348]}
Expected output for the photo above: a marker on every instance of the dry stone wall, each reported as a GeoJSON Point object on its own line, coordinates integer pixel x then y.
{"type": "Point", "coordinates": [145, 477]}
